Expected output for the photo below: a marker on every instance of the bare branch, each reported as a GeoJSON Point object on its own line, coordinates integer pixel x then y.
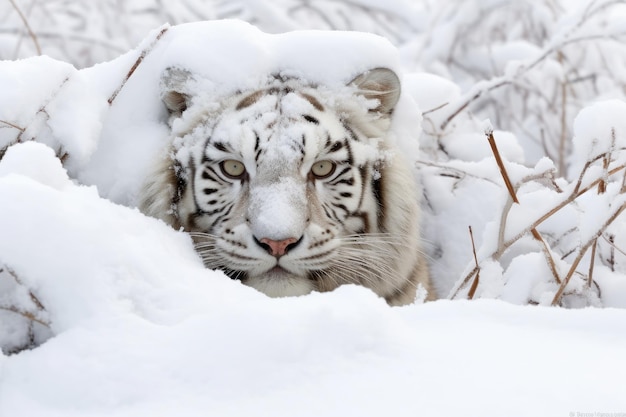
{"type": "Point", "coordinates": [27, 26]}
{"type": "Point", "coordinates": [472, 291]}
{"type": "Point", "coordinates": [507, 181]}
{"type": "Point", "coordinates": [138, 62]}
{"type": "Point", "coordinates": [14, 126]}
{"type": "Point", "coordinates": [583, 251]}
{"type": "Point", "coordinates": [26, 315]}
{"type": "Point", "coordinates": [557, 43]}
{"type": "Point", "coordinates": [38, 305]}
{"type": "Point", "coordinates": [592, 263]}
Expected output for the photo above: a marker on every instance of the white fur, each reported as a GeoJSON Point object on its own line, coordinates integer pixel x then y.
{"type": "Point", "coordinates": [279, 200]}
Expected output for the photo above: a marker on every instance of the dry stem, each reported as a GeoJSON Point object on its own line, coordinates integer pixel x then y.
{"type": "Point", "coordinates": [34, 299]}
{"type": "Point", "coordinates": [563, 136]}
{"type": "Point", "coordinates": [581, 254]}
{"type": "Point", "coordinates": [576, 192]}
{"type": "Point", "coordinates": [566, 37]}
{"type": "Point", "coordinates": [138, 62]}
{"type": "Point", "coordinates": [507, 181]}
{"type": "Point", "coordinates": [474, 286]}
{"type": "Point", "coordinates": [28, 28]}
{"type": "Point", "coordinates": [26, 315]}
{"type": "Point", "coordinates": [592, 263]}
{"type": "Point", "coordinates": [503, 171]}
{"type": "Point", "coordinates": [14, 126]}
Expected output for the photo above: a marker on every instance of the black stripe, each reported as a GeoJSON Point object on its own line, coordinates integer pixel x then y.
{"type": "Point", "coordinates": [221, 217]}
{"type": "Point", "coordinates": [343, 172]}
{"type": "Point", "coordinates": [180, 182]}
{"type": "Point", "coordinates": [350, 155]}
{"type": "Point", "coordinates": [234, 274]}
{"type": "Point", "coordinates": [219, 146]}
{"type": "Point", "coordinates": [337, 146]}
{"type": "Point", "coordinates": [311, 119]}
{"type": "Point", "coordinates": [348, 181]}
{"type": "Point", "coordinates": [364, 171]}
{"type": "Point", "coordinates": [378, 190]}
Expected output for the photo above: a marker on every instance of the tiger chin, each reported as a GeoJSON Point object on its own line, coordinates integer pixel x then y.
{"type": "Point", "coordinates": [292, 187]}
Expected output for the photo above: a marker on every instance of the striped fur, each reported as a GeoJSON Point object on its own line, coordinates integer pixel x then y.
{"type": "Point", "coordinates": [278, 225]}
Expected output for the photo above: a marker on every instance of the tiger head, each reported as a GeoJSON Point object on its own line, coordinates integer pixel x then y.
{"type": "Point", "coordinates": [292, 187]}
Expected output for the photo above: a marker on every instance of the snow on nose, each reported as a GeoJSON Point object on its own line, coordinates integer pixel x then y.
{"type": "Point", "coordinates": [278, 210]}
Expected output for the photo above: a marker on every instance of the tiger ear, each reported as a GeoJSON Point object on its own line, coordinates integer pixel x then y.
{"type": "Point", "coordinates": [175, 91]}
{"type": "Point", "coordinates": [381, 84]}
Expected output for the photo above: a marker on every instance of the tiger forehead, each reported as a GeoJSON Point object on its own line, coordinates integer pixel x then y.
{"type": "Point", "coordinates": [252, 98]}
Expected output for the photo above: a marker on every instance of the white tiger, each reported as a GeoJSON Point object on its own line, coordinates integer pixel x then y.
{"type": "Point", "coordinates": [293, 187]}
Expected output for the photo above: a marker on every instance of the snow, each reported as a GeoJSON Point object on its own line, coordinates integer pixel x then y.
{"type": "Point", "coordinates": [126, 321]}
{"type": "Point", "coordinates": [141, 328]}
{"type": "Point", "coordinates": [133, 133]}
{"type": "Point", "coordinates": [598, 128]}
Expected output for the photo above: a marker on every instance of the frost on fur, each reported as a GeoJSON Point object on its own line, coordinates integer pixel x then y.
{"type": "Point", "coordinates": [274, 132]}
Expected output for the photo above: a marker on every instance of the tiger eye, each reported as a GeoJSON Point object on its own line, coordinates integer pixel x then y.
{"type": "Point", "coordinates": [323, 169]}
{"type": "Point", "coordinates": [233, 168]}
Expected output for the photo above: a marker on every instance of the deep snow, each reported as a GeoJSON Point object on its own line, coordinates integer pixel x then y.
{"type": "Point", "coordinates": [138, 327]}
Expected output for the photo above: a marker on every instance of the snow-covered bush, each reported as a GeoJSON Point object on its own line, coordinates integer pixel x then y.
{"type": "Point", "coordinates": [535, 63]}
{"type": "Point", "coordinates": [528, 66]}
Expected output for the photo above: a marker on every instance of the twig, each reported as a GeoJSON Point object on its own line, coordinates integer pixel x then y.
{"type": "Point", "coordinates": [28, 28]}
{"type": "Point", "coordinates": [138, 62]}
{"type": "Point", "coordinates": [483, 87]}
{"type": "Point", "coordinates": [581, 254]}
{"type": "Point", "coordinates": [472, 291]}
{"type": "Point", "coordinates": [611, 241]}
{"type": "Point", "coordinates": [503, 171]}
{"type": "Point", "coordinates": [32, 296]}
{"type": "Point", "coordinates": [592, 262]}
{"type": "Point", "coordinates": [563, 136]}
{"type": "Point", "coordinates": [606, 161]}
{"type": "Point", "coordinates": [613, 247]}
{"type": "Point", "coordinates": [577, 192]}
{"type": "Point", "coordinates": [507, 181]}
{"type": "Point", "coordinates": [26, 314]}
{"type": "Point", "coordinates": [473, 94]}
{"type": "Point", "coordinates": [14, 126]}
{"type": "Point", "coordinates": [434, 109]}
{"type": "Point", "coordinates": [461, 173]}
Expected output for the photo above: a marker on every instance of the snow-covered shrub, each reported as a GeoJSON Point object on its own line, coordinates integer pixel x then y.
{"type": "Point", "coordinates": [540, 238]}
{"type": "Point", "coordinates": [528, 66]}
{"type": "Point", "coordinates": [535, 63]}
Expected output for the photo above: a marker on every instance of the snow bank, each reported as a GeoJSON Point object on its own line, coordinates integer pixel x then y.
{"type": "Point", "coordinates": [225, 56]}
{"type": "Point", "coordinates": [141, 328]}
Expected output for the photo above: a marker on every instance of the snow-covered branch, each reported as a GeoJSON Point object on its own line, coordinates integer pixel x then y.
{"type": "Point", "coordinates": [558, 43]}
{"type": "Point", "coordinates": [524, 217]}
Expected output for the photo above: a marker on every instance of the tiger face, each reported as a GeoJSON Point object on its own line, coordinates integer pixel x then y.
{"type": "Point", "coordinates": [291, 188]}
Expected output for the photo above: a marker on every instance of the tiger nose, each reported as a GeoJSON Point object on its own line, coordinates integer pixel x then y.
{"type": "Point", "coordinates": [278, 247]}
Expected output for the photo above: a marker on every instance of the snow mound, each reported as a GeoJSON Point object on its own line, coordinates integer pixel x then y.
{"type": "Point", "coordinates": [137, 326]}
{"type": "Point", "coordinates": [224, 57]}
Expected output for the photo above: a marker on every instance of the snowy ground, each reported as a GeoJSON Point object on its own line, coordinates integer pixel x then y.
{"type": "Point", "coordinates": [142, 329]}
{"type": "Point", "coordinates": [129, 323]}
